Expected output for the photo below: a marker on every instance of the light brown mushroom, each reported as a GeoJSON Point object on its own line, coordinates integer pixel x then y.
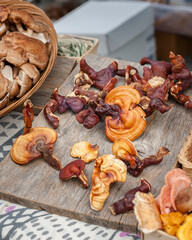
{"type": "Point", "coordinates": [106, 170]}
{"type": "Point", "coordinates": [17, 56]}
{"type": "Point", "coordinates": [4, 84]}
{"type": "Point", "coordinates": [13, 88]}
{"type": "Point", "coordinates": [4, 101]}
{"type": "Point", "coordinates": [3, 28]}
{"type": "Point", "coordinates": [85, 151]}
{"type": "Point", "coordinates": [24, 82]}
{"type": "Point", "coordinates": [183, 200]}
{"type": "Point", "coordinates": [34, 49]}
{"type": "Point", "coordinates": [20, 18]}
{"type": "Point", "coordinates": [4, 12]}
{"type": "Point", "coordinates": [147, 212]}
{"type": "Point", "coordinates": [31, 71]}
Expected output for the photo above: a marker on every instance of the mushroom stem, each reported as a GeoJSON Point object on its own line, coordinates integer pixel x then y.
{"type": "Point", "coordinates": [83, 179]}
{"type": "Point", "coordinates": [126, 157]}
{"type": "Point", "coordinates": [47, 154]}
{"type": "Point", "coordinates": [28, 116]}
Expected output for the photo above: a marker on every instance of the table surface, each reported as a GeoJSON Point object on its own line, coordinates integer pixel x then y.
{"type": "Point", "coordinates": [21, 223]}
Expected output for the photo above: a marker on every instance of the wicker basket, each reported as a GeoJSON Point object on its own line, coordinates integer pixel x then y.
{"type": "Point", "coordinates": [39, 16]}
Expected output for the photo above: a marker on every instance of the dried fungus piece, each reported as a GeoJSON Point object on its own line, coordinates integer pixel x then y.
{"type": "Point", "coordinates": [172, 221]}
{"type": "Point", "coordinates": [147, 212]}
{"type": "Point", "coordinates": [185, 230]}
{"type": "Point", "coordinates": [103, 79]}
{"type": "Point", "coordinates": [131, 121]}
{"type": "Point", "coordinates": [74, 169]}
{"type": "Point", "coordinates": [106, 170]}
{"type": "Point", "coordinates": [124, 149]}
{"type": "Point", "coordinates": [85, 151]}
{"type": "Point", "coordinates": [126, 204]}
{"type": "Point", "coordinates": [37, 143]}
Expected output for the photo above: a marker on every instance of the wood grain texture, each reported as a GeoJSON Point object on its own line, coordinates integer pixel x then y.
{"type": "Point", "coordinates": [37, 185]}
{"type": "Point", "coordinates": [60, 71]}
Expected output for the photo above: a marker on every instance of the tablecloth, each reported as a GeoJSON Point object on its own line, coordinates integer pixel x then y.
{"type": "Point", "coordinates": [21, 223]}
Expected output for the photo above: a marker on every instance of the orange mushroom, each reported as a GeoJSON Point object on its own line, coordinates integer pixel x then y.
{"type": "Point", "coordinates": [85, 151]}
{"type": "Point", "coordinates": [107, 169]}
{"type": "Point", "coordinates": [125, 150]}
{"type": "Point", "coordinates": [131, 121]}
{"type": "Point", "coordinates": [35, 142]}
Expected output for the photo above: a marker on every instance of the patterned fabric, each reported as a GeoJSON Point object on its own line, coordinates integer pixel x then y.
{"type": "Point", "coordinates": [20, 223]}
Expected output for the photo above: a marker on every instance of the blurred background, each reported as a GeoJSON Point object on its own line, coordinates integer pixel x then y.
{"type": "Point", "coordinates": [127, 29]}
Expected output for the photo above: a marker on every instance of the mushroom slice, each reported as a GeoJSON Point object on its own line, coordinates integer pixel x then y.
{"type": "Point", "coordinates": [7, 72]}
{"type": "Point", "coordinates": [131, 121]}
{"type": "Point", "coordinates": [4, 101]}
{"type": "Point", "coordinates": [35, 144]}
{"type": "Point", "coordinates": [17, 56]}
{"type": "Point", "coordinates": [35, 50]}
{"type": "Point", "coordinates": [4, 85]}
{"type": "Point", "coordinates": [147, 212]}
{"type": "Point", "coordinates": [20, 17]}
{"type": "Point", "coordinates": [25, 83]}
{"type": "Point", "coordinates": [125, 150]}
{"type": "Point", "coordinates": [85, 151]}
{"type": "Point", "coordinates": [74, 169]}
{"type": "Point", "coordinates": [4, 12]}
{"type": "Point", "coordinates": [106, 170]}
{"type": "Point", "coordinates": [31, 71]}
{"type": "Point", "coordinates": [183, 201]}
{"type": "Point", "coordinates": [3, 28]}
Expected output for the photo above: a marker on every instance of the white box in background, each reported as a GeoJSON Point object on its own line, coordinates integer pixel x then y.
{"type": "Point", "coordinates": [124, 29]}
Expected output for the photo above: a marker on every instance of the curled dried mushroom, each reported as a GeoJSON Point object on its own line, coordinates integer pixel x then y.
{"type": "Point", "coordinates": [85, 151]}
{"type": "Point", "coordinates": [106, 170]}
{"type": "Point", "coordinates": [131, 120]}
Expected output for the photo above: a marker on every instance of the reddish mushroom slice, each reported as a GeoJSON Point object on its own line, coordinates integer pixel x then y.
{"type": "Point", "coordinates": [74, 169]}
{"type": "Point", "coordinates": [35, 144]}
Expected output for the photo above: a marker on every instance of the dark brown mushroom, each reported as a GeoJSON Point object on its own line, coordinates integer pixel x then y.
{"type": "Point", "coordinates": [74, 169]}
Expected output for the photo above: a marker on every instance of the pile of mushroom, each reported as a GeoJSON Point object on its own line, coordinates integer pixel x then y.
{"type": "Point", "coordinates": [23, 53]}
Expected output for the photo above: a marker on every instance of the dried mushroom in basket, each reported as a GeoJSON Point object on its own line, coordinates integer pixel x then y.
{"type": "Point", "coordinates": [23, 53]}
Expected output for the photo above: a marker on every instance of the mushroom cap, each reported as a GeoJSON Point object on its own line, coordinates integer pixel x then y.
{"type": "Point", "coordinates": [131, 122]}
{"type": "Point", "coordinates": [19, 16]}
{"type": "Point", "coordinates": [31, 71]}
{"type": "Point", "coordinates": [106, 170]}
{"type": "Point", "coordinates": [35, 50]}
{"type": "Point", "coordinates": [147, 212]}
{"type": "Point", "coordinates": [72, 169]}
{"type": "Point", "coordinates": [24, 82]}
{"type": "Point", "coordinates": [4, 84]}
{"type": "Point", "coordinates": [124, 144]}
{"type": "Point", "coordinates": [4, 12]}
{"type": "Point", "coordinates": [3, 28]}
{"type": "Point", "coordinates": [4, 101]}
{"type": "Point", "coordinates": [24, 150]}
{"type": "Point", "coordinates": [85, 151]}
{"type": "Point", "coordinates": [183, 201]}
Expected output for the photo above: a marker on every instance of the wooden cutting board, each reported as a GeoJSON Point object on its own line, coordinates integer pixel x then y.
{"type": "Point", "coordinates": [37, 185]}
